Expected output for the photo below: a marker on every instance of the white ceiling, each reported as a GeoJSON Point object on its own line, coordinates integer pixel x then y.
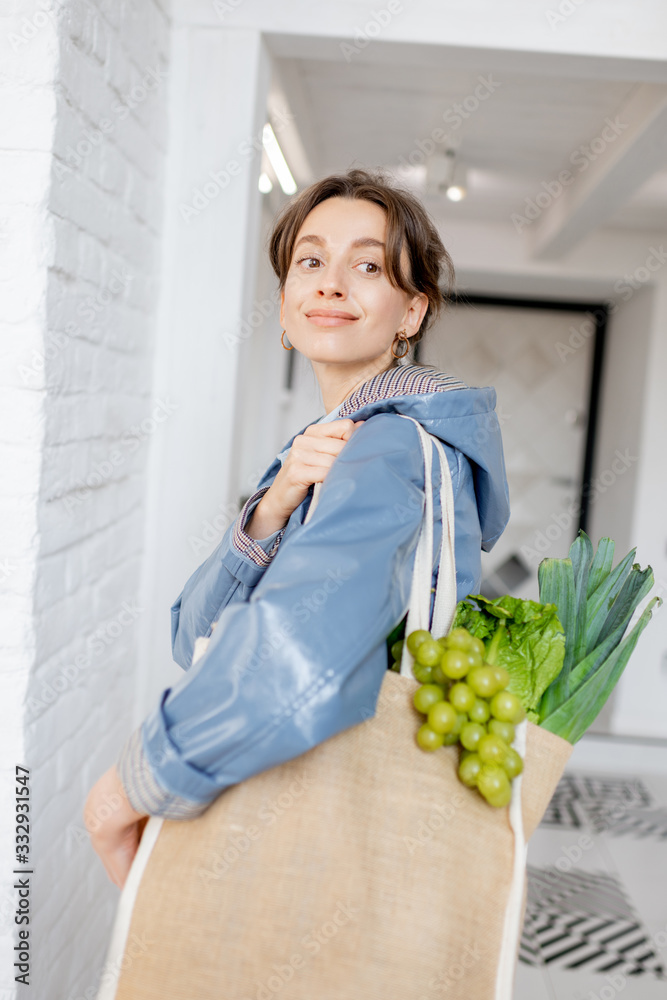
{"type": "Point", "coordinates": [523, 134]}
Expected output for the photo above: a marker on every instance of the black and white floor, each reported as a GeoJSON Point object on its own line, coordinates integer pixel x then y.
{"type": "Point", "coordinates": [596, 917]}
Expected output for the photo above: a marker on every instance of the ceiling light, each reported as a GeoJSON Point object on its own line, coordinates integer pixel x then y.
{"type": "Point", "coordinates": [278, 161]}
{"type": "Point", "coordinates": [456, 192]}
{"type": "Point", "coordinates": [445, 176]}
{"type": "Point", "coordinates": [265, 184]}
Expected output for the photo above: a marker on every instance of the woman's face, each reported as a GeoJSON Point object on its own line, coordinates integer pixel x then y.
{"type": "Point", "coordinates": [338, 267]}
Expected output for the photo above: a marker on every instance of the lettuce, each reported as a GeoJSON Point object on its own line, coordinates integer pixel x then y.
{"type": "Point", "coordinates": [524, 637]}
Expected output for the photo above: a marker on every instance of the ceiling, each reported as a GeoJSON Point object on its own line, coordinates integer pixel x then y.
{"type": "Point", "coordinates": [515, 135]}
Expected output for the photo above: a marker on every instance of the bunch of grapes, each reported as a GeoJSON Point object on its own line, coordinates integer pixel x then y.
{"type": "Point", "coordinates": [465, 701]}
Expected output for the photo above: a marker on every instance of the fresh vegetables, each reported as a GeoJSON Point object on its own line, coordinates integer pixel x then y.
{"type": "Point", "coordinates": [595, 605]}
{"type": "Point", "coordinates": [555, 662]}
{"type": "Point", "coordinates": [524, 637]}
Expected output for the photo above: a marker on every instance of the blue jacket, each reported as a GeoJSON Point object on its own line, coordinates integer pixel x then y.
{"type": "Point", "coordinates": [299, 650]}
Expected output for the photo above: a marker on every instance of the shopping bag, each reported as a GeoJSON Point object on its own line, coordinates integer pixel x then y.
{"type": "Point", "coordinates": [360, 870]}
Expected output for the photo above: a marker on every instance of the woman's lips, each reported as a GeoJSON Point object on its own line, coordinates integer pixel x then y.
{"type": "Point", "coordinates": [330, 320]}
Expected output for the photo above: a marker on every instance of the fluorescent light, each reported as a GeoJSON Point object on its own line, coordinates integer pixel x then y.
{"type": "Point", "coordinates": [278, 162]}
{"type": "Point", "coordinates": [265, 184]}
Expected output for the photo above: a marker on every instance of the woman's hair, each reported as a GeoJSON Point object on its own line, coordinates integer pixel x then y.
{"type": "Point", "coordinates": [408, 224]}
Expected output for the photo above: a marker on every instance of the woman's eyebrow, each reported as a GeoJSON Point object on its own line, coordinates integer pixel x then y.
{"type": "Point", "coordinates": [361, 241]}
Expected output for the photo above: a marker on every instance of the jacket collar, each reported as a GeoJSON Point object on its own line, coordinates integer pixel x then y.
{"type": "Point", "coordinates": [406, 380]}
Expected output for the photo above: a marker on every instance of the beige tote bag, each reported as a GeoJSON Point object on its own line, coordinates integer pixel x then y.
{"type": "Point", "coordinates": [360, 870]}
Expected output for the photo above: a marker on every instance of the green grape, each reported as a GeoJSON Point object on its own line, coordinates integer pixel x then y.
{"type": "Point", "coordinates": [459, 638]}
{"type": "Point", "coordinates": [427, 695]}
{"type": "Point", "coordinates": [507, 707]}
{"type": "Point", "coordinates": [443, 642]}
{"type": "Point", "coordinates": [455, 664]}
{"type": "Point", "coordinates": [501, 798]}
{"type": "Point", "coordinates": [422, 674]}
{"type": "Point", "coordinates": [480, 711]}
{"type": "Point", "coordinates": [502, 677]}
{"type": "Point", "coordinates": [397, 650]}
{"type": "Point", "coordinates": [503, 729]}
{"type": "Point", "coordinates": [512, 763]}
{"type": "Point", "coordinates": [461, 720]}
{"type": "Point", "coordinates": [428, 652]}
{"type": "Point", "coordinates": [415, 639]}
{"type": "Point", "coordinates": [450, 739]}
{"type": "Point", "coordinates": [492, 781]}
{"type": "Point", "coordinates": [428, 739]}
{"type": "Point", "coordinates": [469, 769]}
{"type": "Point", "coordinates": [492, 749]}
{"type": "Point", "coordinates": [477, 646]}
{"type": "Point", "coordinates": [442, 717]}
{"type": "Point", "coordinates": [396, 667]}
{"type": "Point", "coordinates": [483, 681]}
{"type": "Point", "coordinates": [437, 674]}
{"type": "Point", "coordinates": [471, 735]}
{"type": "Point", "coordinates": [461, 697]}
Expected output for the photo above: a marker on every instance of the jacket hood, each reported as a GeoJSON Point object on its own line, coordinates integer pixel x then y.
{"type": "Point", "coordinates": [461, 416]}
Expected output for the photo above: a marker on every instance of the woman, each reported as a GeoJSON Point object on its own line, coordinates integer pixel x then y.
{"type": "Point", "coordinates": [302, 611]}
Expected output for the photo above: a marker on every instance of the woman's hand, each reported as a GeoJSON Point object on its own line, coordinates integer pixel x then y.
{"type": "Point", "coordinates": [308, 461]}
{"type": "Point", "coordinates": [114, 827]}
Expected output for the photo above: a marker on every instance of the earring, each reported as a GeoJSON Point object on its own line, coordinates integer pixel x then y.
{"type": "Point", "coordinates": [283, 342]}
{"type": "Point", "coordinates": [403, 340]}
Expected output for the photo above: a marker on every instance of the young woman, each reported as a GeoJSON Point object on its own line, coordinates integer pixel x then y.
{"type": "Point", "coordinates": [302, 611]}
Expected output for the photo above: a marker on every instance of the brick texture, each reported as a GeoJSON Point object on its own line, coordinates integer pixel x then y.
{"type": "Point", "coordinates": [81, 165]}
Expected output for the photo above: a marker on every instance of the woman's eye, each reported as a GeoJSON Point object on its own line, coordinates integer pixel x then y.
{"type": "Point", "coordinates": [372, 263]}
{"type": "Point", "coordinates": [309, 258]}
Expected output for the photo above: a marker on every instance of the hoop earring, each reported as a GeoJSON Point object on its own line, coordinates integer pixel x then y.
{"type": "Point", "coordinates": [403, 340]}
{"type": "Point", "coordinates": [283, 342]}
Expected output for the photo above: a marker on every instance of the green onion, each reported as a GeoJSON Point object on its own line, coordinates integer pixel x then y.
{"type": "Point", "coordinates": [595, 605]}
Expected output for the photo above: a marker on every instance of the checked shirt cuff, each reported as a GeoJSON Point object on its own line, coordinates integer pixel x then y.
{"type": "Point", "coordinates": [259, 550]}
{"type": "Point", "coordinates": [144, 793]}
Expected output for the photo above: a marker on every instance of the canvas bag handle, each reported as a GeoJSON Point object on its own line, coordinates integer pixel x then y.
{"type": "Point", "coordinates": [444, 608]}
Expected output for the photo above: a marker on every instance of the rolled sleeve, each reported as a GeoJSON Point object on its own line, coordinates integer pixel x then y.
{"type": "Point", "coordinates": [144, 793]}
{"type": "Point", "coordinates": [259, 551]}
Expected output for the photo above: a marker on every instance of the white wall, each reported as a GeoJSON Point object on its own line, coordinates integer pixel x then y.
{"type": "Point", "coordinates": [220, 81]}
{"type": "Point", "coordinates": [641, 702]}
{"type": "Point", "coordinates": [620, 417]}
{"type": "Point", "coordinates": [25, 253]}
{"type": "Point", "coordinates": [85, 151]}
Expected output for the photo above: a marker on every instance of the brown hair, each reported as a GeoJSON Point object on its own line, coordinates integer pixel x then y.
{"type": "Point", "coordinates": [408, 224]}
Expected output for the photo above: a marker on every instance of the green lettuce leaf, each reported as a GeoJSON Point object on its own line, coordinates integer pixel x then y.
{"type": "Point", "coordinates": [524, 637]}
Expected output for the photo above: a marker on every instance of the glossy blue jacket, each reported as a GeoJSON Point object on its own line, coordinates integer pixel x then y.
{"type": "Point", "coordinates": [299, 649]}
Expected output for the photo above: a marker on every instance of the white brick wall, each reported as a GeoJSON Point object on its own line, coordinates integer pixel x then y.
{"type": "Point", "coordinates": [82, 153]}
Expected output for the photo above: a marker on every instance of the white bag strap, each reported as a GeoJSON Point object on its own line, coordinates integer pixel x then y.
{"type": "Point", "coordinates": [444, 605]}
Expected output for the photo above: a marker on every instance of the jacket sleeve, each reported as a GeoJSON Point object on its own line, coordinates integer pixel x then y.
{"type": "Point", "coordinates": [305, 656]}
{"type": "Point", "coordinates": [229, 574]}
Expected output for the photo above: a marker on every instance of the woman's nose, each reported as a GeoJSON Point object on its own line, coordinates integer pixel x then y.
{"type": "Point", "coordinates": [332, 281]}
